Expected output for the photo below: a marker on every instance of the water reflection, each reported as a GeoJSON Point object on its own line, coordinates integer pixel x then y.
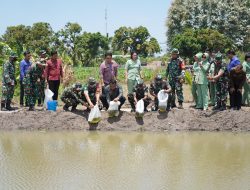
{"type": "Point", "coordinates": [124, 161]}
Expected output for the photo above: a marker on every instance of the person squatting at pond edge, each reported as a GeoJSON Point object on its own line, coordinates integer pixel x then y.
{"type": "Point", "coordinates": [8, 83]}
{"type": "Point", "coordinates": [71, 97]}
{"type": "Point", "coordinates": [175, 73]}
{"type": "Point", "coordinates": [112, 92]}
{"type": "Point", "coordinates": [155, 87]}
{"type": "Point", "coordinates": [140, 91]}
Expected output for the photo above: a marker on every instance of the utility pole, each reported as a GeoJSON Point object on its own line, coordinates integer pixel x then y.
{"type": "Point", "coordinates": [106, 21]}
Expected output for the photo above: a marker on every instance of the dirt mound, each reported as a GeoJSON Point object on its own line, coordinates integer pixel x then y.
{"type": "Point", "coordinates": [176, 120]}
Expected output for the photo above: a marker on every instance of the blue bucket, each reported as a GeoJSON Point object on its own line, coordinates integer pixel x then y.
{"type": "Point", "coordinates": [52, 105]}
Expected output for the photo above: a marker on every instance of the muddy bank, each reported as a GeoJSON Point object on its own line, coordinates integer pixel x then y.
{"type": "Point", "coordinates": [176, 120]}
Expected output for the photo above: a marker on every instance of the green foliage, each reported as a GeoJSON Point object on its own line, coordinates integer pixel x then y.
{"type": "Point", "coordinates": [135, 39]}
{"type": "Point", "coordinates": [230, 18]}
{"type": "Point", "coordinates": [120, 60]}
{"type": "Point", "coordinates": [192, 41]}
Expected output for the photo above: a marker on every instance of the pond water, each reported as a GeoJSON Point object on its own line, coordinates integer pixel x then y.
{"type": "Point", "coordinates": [114, 160]}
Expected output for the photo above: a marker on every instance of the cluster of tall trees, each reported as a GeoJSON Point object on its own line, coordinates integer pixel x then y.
{"type": "Point", "coordinates": [197, 20]}
{"type": "Point", "coordinates": [80, 47]}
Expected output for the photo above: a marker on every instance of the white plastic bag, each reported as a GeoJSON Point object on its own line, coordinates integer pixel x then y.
{"type": "Point", "coordinates": [113, 108]}
{"type": "Point", "coordinates": [140, 108]}
{"type": "Point", "coordinates": [48, 97]}
{"type": "Point", "coordinates": [94, 115]}
{"type": "Point", "coordinates": [163, 100]}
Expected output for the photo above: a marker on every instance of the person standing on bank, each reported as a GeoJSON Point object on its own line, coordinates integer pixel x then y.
{"type": "Point", "coordinates": [202, 82]}
{"type": "Point", "coordinates": [175, 73]}
{"type": "Point", "coordinates": [246, 68]}
{"type": "Point", "coordinates": [24, 66]}
{"type": "Point", "coordinates": [108, 72]}
{"type": "Point", "coordinates": [54, 73]}
{"type": "Point", "coordinates": [8, 83]}
{"type": "Point", "coordinates": [132, 72]}
{"type": "Point", "coordinates": [237, 78]}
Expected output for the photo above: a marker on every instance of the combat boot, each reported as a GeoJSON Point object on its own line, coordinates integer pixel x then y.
{"type": "Point", "coordinates": [3, 106]}
{"type": "Point", "coordinates": [8, 107]}
{"type": "Point", "coordinates": [73, 108]}
{"type": "Point", "coordinates": [66, 107]}
{"type": "Point", "coordinates": [180, 106]}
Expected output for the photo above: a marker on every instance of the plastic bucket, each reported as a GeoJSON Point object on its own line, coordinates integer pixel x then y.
{"type": "Point", "coordinates": [52, 105]}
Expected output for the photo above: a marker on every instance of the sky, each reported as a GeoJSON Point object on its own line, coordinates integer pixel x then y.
{"type": "Point", "coordinates": [90, 14]}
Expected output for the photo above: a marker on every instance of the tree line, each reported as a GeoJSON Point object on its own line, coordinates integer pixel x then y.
{"type": "Point", "coordinates": [78, 47]}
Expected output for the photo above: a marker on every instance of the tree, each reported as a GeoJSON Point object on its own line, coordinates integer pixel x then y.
{"type": "Point", "coordinates": [90, 45]}
{"type": "Point", "coordinates": [67, 39]}
{"type": "Point", "coordinates": [40, 37]}
{"type": "Point", "coordinates": [138, 39]}
{"type": "Point", "coordinates": [17, 38]}
{"type": "Point", "coordinates": [229, 17]}
{"type": "Point", "coordinates": [192, 41]}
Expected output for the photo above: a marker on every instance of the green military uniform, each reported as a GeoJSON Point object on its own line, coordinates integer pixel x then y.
{"type": "Point", "coordinates": [31, 83]}
{"type": "Point", "coordinates": [92, 88]}
{"type": "Point", "coordinates": [8, 83]}
{"type": "Point", "coordinates": [202, 83]}
{"type": "Point", "coordinates": [156, 87]}
{"type": "Point", "coordinates": [194, 85]}
{"type": "Point", "coordinates": [71, 97]}
{"type": "Point", "coordinates": [212, 85]}
{"type": "Point", "coordinates": [246, 94]}
{"type": "Point", "coordinates": [221, 84]}
{"type": "Point", "coordinates": [175, 72]}
{"type": "Point", "coordinates": [139, 91]}
{"type": "Point", "coordinates": [41, 83]}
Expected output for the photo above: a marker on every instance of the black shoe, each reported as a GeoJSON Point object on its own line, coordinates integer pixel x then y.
{"type": "Point", "coordinates": [154, 108]}
{"type": "Point", "coordinates": [223, 108]}
{"type": "Point", "coordinates": [132, 110]}
{"type": "Point", "coordinates": [173, 106]}
{"type": "Point", "coordinates": [145, 110]}
{"type": "Point", "coordinates": [31, 108]}
{"type": "Point", "coordinates": [65, 108]}
{"type": "Point", "coordinates": [73, 108]}
{"type": "Point", "coordinates": [3, 107]}
{"type": "Point", "coordinates": [8, 107]}
{"type": "Point", "coordinates": [168, 109]}
{"type": "Point", "coordinates": [180, 106]}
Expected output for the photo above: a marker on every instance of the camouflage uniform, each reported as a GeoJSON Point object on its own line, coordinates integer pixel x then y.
{"type": "Point", "coordinates": [8, 84]}
{"type": "Point", "coordinates": [139, 92]}
{"type": "Point", "coordinates": [41, 84]}
{"type": "Point", "coordinates": [155, 87]}
{"type": "Point", "coordinates": [221, 86]}
{"type": "Point", "coordinates": [92, 90]}
{"type": "Point", "coordinates": [71, 97]}
{"type": "Point", "coordinates": [212, 85]}
{"type": "Point", "coordinates": [175, 73]}
{"type": "Point", "coordinates": [31, 84]}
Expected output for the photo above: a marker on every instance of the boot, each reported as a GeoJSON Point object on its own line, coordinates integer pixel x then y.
{"type": "Point", "coordinates": [8, 107]}
{"type": "Point", "coordinates": [223, 107]}
{"type": "Point", "coordinates": [3, 106]}
{"type": "Point", "coordinates": [73, 108]}
{"type": "Point", "coordinates": [180, 105]}
{"type": "Point", "coordinates": [31, 108]}
{"type": "Point", "coordinates": [66, 107]}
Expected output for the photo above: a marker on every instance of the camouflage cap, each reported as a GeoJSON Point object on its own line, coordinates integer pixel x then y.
{"type": "Point", "coordinates": [158, 77]}
{"type": "Point", "coordinates": [92, 81]}
{"type": "Point", "coordinates": [140, 82]}
{"type": "Point", "coordinates": [43, 52]}
{"type": "Point", "coordinates": [175, 50]}
{"type": "Point", "coordinates": [13, 54]}
{"type": "Point", "coordinates": [77, 85]}
{"type": "Point", "coordinates": [218, 57]}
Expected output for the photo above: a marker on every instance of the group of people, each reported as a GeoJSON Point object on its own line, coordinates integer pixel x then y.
{"type": "Point", "coordinates": [211, 78]}
{"type": "Point", "coordinates": [108, 89]}
{"type": "Point", "coordinates": [34, 76]}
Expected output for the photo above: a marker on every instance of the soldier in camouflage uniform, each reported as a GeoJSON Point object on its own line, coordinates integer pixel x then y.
{"type": "Point", "coordinates": [155, 87]}
{"type": "Point", "coordinates": [221, 80]}
{"type": "Point", "coordinates": [31, 84]}
{"type": "Point", "coordinates": [41, 85]}
{"type": "Point", "coordinates": [90, 93]}
{"type": "Point", "coordinates": [140, 91]}
{"type": "Point", "coordinates": [8, 83]}
{"type": "Point", "coordinates": [175, 74]}
{"type": "Point", "coordinates": [71, 97]}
